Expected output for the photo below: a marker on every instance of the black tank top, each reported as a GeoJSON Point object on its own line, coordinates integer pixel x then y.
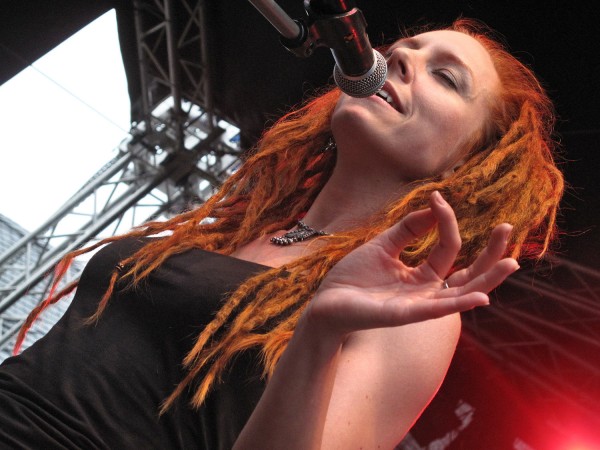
{"type": "Point", "coordinates": [101, 386]}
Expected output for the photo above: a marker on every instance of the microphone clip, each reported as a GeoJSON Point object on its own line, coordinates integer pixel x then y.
{"type": "Point", "coordinates": [343, 32]}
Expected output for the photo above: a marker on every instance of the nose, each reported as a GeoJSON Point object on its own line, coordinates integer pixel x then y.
{"type": "Point", "coordinates": [401, 63]}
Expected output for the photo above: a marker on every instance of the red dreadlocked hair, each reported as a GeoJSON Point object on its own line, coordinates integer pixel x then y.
{"type": "Point", "coordinates": [510, 176]}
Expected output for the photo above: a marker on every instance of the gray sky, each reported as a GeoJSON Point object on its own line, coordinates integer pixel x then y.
{"type": "Point", "coordinates": [60, 122]}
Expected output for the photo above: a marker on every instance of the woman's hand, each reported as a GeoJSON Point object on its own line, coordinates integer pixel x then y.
{"type": "Point", "coordinates": [372, 288]}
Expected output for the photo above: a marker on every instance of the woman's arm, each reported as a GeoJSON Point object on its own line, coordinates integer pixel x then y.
{"type": "Point", "coordinates": [375, 342]}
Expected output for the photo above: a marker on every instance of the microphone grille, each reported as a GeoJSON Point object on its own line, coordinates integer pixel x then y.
{"type": "Point", "coordinates": [365, 85]}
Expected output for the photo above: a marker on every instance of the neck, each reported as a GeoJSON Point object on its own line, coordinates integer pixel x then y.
{"type": "Point", "coordinates": [350, 199]}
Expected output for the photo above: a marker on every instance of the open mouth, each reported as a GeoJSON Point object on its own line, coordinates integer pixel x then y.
{"type": "Point", "coordinates": [388, 98]}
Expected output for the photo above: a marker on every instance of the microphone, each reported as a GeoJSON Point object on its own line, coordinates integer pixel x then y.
{"type": "Point", "coordinates": [359, 70]}
{"type": "Point", "coordinates": [366, 84]}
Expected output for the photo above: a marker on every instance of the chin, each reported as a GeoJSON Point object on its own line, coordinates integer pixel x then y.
{"type": "Point", "coordinates": [352, 120]}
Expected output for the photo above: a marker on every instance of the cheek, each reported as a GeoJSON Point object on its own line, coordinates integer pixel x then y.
{"type": "Point", "coordinates": [458, 125]}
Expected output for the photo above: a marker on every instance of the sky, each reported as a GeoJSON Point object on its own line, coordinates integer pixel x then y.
{"type": "Point", "coordinates": [61, 120]}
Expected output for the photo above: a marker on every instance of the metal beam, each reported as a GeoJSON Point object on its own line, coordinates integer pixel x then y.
{"type": "Point", "coordinates": [151, 173]}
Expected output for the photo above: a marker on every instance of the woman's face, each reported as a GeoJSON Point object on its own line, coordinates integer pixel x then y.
{"type": "Point", "coordinates": [440, 84]}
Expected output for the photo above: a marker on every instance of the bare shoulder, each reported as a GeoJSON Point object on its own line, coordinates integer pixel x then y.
{"type": "Point", "coordinates": [385, 378]}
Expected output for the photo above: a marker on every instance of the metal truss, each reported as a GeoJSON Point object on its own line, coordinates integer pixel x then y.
{"type": "Point", "coordinates": [544, 329]}
{"type": "Point", "coordinates": [176, 155]}
{"type": "Point", "coordinates": [173, 57]}
{"type": "Point", "coordinates": [148, 178]}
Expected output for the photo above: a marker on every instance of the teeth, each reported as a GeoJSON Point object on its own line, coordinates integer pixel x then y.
{"type": "Point", "coordinates": [387, 97]}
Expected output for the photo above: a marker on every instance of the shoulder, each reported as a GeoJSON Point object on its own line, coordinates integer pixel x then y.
{"type": "Point", "coordinates": [104, 261]}
{"type": "Point", "coordinates": [388, 376]}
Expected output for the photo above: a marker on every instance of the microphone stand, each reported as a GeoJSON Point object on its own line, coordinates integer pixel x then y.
{"type": "Point", "coordinates": [322, 29]}
{"type": "Point", "coordinates": [359, 71]}
{"type": "Point", "coordinates": [283, 23]}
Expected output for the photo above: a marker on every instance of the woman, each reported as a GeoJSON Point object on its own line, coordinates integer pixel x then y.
{"type": "Point", "coordinates": [355, 321]}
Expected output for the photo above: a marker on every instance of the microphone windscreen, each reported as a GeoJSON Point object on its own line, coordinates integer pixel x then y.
{"type": "Point", "coordinates": [364, 85]}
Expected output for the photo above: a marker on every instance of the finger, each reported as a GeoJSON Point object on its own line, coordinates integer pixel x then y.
{"type": "Point", "coordinates": [396, 313]}
{"type": "Point", "coordinates": [442, 255]}
{"type": "Point", "coordinates": [492, 253]}
{"type": "Point", "coordinates": [486, 281]}
{"type": "Point", "coordinates": [413, 226]}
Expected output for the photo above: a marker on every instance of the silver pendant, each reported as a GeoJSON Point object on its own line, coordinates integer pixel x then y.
{"type": "Point", "coordinates": [302, 233]}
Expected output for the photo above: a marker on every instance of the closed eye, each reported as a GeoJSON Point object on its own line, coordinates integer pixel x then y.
{"type": "Point", "coordinates": [447, 77]}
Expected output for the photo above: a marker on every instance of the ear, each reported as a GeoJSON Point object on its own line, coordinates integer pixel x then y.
{"type": "Point", "coordinates": [448, 172]}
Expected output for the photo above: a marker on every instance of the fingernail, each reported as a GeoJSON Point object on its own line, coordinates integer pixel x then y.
{"type": "Point", "coordinates": [484, 303]}
{"type": "Point", "coordinates": [438, 198]}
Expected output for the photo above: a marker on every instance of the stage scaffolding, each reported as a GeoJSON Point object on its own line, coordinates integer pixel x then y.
{"type": "Point", "coordinates": [173, 159]}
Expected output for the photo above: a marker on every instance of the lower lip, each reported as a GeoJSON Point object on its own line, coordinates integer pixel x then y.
{"type": "Point", "coordinates": [380, 100]}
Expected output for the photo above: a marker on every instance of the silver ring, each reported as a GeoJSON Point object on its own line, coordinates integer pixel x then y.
{"type": "Point", "coordinates": [445, 285]}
